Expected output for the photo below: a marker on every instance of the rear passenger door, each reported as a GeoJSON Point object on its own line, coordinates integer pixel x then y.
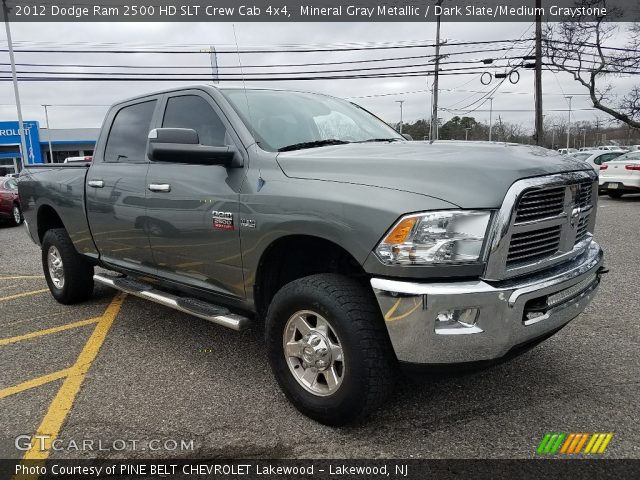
{"type": "Point", "coordinates": [192, 213]}
{"type": "Point", "coordinates": [117, 188]}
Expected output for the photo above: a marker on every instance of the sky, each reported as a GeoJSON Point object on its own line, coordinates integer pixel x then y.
{"type": "Point", "coordinates": [378, 95]}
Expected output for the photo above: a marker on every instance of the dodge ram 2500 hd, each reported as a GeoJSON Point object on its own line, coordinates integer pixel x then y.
{"type": "Point", "coordinates": [361, 251]}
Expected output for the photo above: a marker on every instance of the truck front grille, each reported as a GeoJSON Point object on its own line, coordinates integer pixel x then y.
{"type": "Point", "coordinates": [538, 204]}
{"type": "Point", "coordinates": [533, 245]}
{"type": "Point", "coordinates": [543, 221]}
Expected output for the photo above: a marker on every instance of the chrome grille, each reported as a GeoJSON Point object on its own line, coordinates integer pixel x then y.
{"type": "Point", "coordinates": [540, 203]}
{"type": "Point", "coordinates": [533, 245]}
{"type": "Point", "coordinates": [585, 191]}
{"type": "Point", "coordinates": [543, 221]}
{"type": "Point", "coordinates": [582, 230]}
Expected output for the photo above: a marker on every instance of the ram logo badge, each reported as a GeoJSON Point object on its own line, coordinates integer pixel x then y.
{"type": "Point", "coordinates": [222, 220]}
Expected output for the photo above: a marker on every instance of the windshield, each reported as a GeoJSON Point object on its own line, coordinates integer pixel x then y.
{"type": "Point", "coordinates": [281, 119]}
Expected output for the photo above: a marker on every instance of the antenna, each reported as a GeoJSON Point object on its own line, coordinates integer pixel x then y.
{"type": "Point", "coordinates": [244, 85]}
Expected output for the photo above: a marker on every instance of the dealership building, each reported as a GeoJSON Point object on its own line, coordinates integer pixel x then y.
{"type": "Point", "coordinates": [63, 142]}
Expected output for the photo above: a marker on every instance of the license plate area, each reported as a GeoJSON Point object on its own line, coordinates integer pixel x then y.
{"type": "Point", "coordinates": [613, 186]}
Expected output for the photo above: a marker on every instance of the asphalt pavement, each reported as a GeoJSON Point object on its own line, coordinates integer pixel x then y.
{"type": "Point", "coordinates": [198, 390]}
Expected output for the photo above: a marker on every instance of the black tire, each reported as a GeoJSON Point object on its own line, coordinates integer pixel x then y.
{"type": "Point", "coordinates": [77, 284]}
{"type": "Point", "coordinates": [16, 219]}
{"type": "Point", "coordinates": [369, 363]}
{"type": "Point", "coordinates": [615, 194]}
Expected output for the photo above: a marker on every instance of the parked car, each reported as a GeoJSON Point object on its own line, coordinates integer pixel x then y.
{"type": "Point", "coordinates": [621, 175]}
{"type": "Point", "coordinates": [565, 151]}
{"type": "Point", "coordinates": [361, 251]}
{"type": "Point", "coordinates": [610, 148]}
{"type": "Point", "coordinates": [598, 157]}
{"type": "Point", "coordinates": [10, 210]}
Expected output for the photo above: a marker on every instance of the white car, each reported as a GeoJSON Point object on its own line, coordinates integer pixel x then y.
{"type": "Point", "coordinates": [621, 175]}
{"type": "Point", "coordinates": [597, 157]}
{"type": "Point", "coordinates": [565, 151]}
{"type": "Point", "coordinates": [614, 148]}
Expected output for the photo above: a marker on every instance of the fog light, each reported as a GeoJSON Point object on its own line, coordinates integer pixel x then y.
{"type": "Point", "coordinates": [457, 321]}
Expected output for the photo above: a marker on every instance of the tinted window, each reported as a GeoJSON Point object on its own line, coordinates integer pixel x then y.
{"type": "Point", "coordinates": [192, 111]}
{"type": "Point", "coordinates": [127, 140]}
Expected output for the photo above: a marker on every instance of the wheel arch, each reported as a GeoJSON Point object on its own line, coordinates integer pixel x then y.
{"type": "Point", "coordinates": [295, 256]}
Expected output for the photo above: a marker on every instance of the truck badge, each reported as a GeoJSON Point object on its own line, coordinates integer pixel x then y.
{"type": "Point", "coordinates": [222, 220]}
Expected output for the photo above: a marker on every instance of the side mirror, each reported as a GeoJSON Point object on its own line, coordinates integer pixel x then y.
{"type": "Point", "coordinates": [182, 145]}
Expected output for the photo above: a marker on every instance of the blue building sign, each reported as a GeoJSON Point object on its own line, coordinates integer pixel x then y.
{"type": "Point", "coordinates": [10, 135]}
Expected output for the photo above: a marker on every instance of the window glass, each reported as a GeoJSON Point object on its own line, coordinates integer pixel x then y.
{"type": "Point", "coordinates": [281, 119]}
{"type": "Point", "coordinates": [127, 140]}
{"type": "Point", "coordinates": [194, 112]}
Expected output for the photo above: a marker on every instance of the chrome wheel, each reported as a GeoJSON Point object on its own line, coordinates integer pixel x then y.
{"type": "Point", "coordinates": [56, 270]}
{"type": "Point", "coordinates": [313, 353]}
{"type": "Point", "coordinates": [17, 217]}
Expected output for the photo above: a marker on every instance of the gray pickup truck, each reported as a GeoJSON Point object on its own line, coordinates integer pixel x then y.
{"type": "Point", "coordinates": [356, 250]}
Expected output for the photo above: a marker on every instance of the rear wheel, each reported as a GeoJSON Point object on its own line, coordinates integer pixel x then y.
{"type": "Point", "coordinates": [614, 194]}
{"type": "Point", "coordinates": [16, 215]}
{"type": "Point", "coordinates": [329, 349]}
{"type": "Point", "coordinates": [69, 276]}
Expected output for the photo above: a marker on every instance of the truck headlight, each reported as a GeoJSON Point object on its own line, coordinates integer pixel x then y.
{"type": "Point", "coordinates": [448, 236]}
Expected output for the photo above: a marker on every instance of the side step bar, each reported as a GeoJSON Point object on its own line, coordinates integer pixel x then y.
{"type": "Point", "coordinates": [192, 306]}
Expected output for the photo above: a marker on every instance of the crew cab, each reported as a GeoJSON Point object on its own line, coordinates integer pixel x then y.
{"type": "Point", "coordinates": [357, 251]}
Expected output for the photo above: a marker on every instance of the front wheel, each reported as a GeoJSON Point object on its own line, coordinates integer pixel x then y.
{"type": "Point", "coordinates": [69, 276]}
{"type": "Point", "coordinates": [329, 349]}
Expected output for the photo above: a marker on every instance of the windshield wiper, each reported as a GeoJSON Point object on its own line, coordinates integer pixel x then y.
{"type": "Point", "coordinates": [315, 143]}
{"type": "Point", "coordinates": [370, 140]}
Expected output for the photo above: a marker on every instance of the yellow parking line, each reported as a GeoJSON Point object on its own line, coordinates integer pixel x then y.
{"type": "Point", "coordinates": [35, 382]}
{"type": "Point", "coordinates": [25, 294]}
{"type": "Point", "coordinates": [19, 277]}
{"type": "Point", "coordinates": [63, 401]}
{"type": "Point", "coordinates": [48, 331]}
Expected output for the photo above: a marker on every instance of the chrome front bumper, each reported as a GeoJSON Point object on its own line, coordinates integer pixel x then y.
{"type": "Point", "coordinates": [507, 314]}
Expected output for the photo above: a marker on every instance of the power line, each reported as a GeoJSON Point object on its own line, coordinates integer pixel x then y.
{"type": "Point", "coordinates": [386, 46]}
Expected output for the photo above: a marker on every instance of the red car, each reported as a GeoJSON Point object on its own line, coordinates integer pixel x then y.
{"type": "Point", "coordinates": [10, 201]}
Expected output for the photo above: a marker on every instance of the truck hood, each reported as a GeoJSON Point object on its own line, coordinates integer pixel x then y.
{"type": "Point", "coordinates": [466, 174]}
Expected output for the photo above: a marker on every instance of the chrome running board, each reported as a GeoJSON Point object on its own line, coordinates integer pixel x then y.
{"type": "Point", "coordinates": [198, 308]}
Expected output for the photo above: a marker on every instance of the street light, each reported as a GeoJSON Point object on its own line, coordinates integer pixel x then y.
{"type": "Point", "coordinates": [569, 97]}
{"type": "Point", "coordinates": [400, 102]}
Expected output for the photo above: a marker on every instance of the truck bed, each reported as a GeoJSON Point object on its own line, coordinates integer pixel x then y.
{"type": "Point", "coordinates": [62, 187]}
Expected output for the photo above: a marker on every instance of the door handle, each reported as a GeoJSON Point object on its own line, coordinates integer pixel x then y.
{"type": "Point", "coordinates": [96, 183]}
{"type": "Point", "coordinates": [160, 187]}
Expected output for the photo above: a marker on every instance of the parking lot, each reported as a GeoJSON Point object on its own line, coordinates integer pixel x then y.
{"type": "Point", "coordinates": [119, 369]}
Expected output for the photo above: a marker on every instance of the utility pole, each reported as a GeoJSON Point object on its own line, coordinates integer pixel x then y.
{"type": "Point", "coordinates": [434, 113]}
{"type": "Point", "coordinates": [400, 102]}
{"type": "Point", "coordinates": [553, 137]}
{"type": "Point", "coordinates": [466, 133]}
{"type": "Point", "coordinates": [584, 137]}
{"type": "Point", "coordinates": [23, 141]}
{"type": "Point", "coordinates": [46, 116]}
{"type": "Point", "coordinates": [569, 124]}
{"type": "Point", "coordinates": [538, 76]}
{"type": "Point", "coordinates": [490, 116]}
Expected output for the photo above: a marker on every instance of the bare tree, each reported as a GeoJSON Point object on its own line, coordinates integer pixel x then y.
{"type": "Point", "coordinates": [577, 46]}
